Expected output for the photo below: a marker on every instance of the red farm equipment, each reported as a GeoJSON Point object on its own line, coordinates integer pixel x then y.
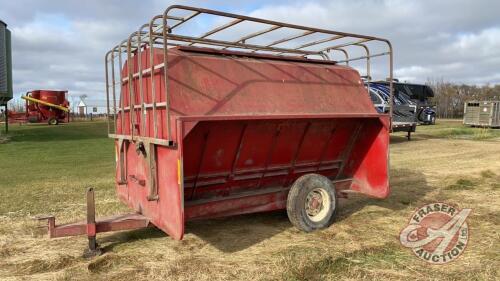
{"type": "Point", "coordinates": [43, 106]}
{"type": "Point", "coordinates": [209, 126]}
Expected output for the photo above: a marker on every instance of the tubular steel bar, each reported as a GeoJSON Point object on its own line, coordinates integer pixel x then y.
{"type": "Point", "coordinates": [139, 62]}
{"type": "Point", "coordinates": [151, 65]}
{"type": "Point", "coordinates": [166, 30]}
{"type": "Point", "coordinates": [107, 87]}
{"type": "Point", "coordinates": [290, 38]}
{"type": "Point", "coordinates": [113, 92]}
{"type": "Point", "coordinates": [91, 226]}
{"type": "Point", "coordinates": [258, 33]}
{"type": "Point", "coordinates": [218, 29]}
{"type": "Point", "coordinates": [122, 104]}
{"type": "Point", "coordinates": [368, 62]}
{"type": "Point", "coordinates": [162, 33]}
{"type": "Point", "coordinates": [319, 42]}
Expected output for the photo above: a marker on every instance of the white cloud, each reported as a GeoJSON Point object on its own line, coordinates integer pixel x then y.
{"type": "Point", "coordinates": [451, 39]}
{"type": "Point", "coordinates": [62, 43]}
{"type": "Point", "coordinates": [483, 43]}
{"type": "Point", "coordinates": [412, 72]}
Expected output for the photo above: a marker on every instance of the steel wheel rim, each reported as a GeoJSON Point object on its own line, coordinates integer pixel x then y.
{"type": "Point", "coordinates": [317, 205]}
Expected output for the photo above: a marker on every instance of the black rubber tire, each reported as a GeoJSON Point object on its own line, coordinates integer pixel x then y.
{"type": "Point", "coordinates": [53, 121]}
{"type": "Point", "coordinates": [295, 205]}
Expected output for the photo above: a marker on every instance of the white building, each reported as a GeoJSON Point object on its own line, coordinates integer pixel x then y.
{"type": "Point", "coordinates": [88, 106]}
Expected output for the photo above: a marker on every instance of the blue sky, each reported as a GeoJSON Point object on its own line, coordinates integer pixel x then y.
{"type": "Point", "coordinates": [61, 44]}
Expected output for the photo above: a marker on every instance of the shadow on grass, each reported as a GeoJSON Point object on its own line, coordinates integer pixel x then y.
{"type": "Point", "coordinates": [233, 234]}
{"type": "Point", "coordinates": [124, 237]}
{"type": "Point", "coordinates": [236, 233]}
{"type": "Point", "coordinates": [408, 187]}
{"type": "Point", "coordinates": [240, 232]}
{"type": "Point", "coordinates": [347, 264]}
{"type": "Point", "coordinates": [395, 139]}
{"type": "Point", "coordinates": [61, 132]}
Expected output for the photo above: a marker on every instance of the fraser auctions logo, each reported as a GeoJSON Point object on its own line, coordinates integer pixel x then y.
{"type": "Point", "coordinates": [437, 233]}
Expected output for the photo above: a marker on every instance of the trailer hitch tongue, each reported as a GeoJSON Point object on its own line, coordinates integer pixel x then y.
{"type": "Point", "coordinates": [91, 227]}
{"type": "Point", "coordinates": [51, 223]}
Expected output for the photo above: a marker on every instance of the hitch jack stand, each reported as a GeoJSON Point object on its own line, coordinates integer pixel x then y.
{"type": "Point", "coordinates": [93, 249]}
{"type": "Point", "coordinates": [92, 226]}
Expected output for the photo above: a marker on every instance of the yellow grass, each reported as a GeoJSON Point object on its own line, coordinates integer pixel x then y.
{"type": "Point", "coordinates": [361, 245]}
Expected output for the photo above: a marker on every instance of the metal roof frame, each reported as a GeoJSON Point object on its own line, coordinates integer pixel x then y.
{"type": "Point", "coordinates": [162, 31]}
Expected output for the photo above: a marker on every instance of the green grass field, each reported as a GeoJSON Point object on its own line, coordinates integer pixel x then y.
{"type": "Point", "coordinates": [46, 169]}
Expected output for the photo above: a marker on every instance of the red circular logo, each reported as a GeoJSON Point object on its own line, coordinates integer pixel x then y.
{"type": "Point", "coordinates": [437, 233]}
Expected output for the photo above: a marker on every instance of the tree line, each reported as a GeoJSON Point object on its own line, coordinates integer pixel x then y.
{"type": "Point", "coordinates": [449, 98]}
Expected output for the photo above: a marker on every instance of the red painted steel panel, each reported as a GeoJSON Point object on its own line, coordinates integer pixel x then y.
{"type": "Point", "coordinates": [167, 212]}
{"type": "Point", "coordinates": [245, 129]}
{"type": "Point", "coordinates": [210, 84]}
{"type": "Point", "coordinates": [368, 162]}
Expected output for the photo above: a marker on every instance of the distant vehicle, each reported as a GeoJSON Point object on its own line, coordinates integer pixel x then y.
{"type": "Point", "coordinates": [404, 113]}
{"type": "Point", "coordinates": [379, 94]}
{"type": "Point", "coordinates": [419, 94]}
{"type": "Point", "coordinates": [426, 115]}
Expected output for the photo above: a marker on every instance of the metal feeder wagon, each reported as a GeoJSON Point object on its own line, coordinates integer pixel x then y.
{"type": "Point", "coordinates": [47, 106]}
{"type": "Point", "coordinates": [216, 125]}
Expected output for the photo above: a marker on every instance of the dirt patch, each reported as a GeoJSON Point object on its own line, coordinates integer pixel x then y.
{"type": "Point", "coordinates": [357, 264]}
{"type": "Point", "coordinates": [4, 139]}
{"type": "Point", "coordinates": [487, 174]}
{"type": "Point", "coordinates": [462, 184]}
{"type": "Point", "coordinates": [37, 266]}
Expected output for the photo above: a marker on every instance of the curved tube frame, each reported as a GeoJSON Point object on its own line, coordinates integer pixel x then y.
{"type": "Point", "coordinates": [159, 32]}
